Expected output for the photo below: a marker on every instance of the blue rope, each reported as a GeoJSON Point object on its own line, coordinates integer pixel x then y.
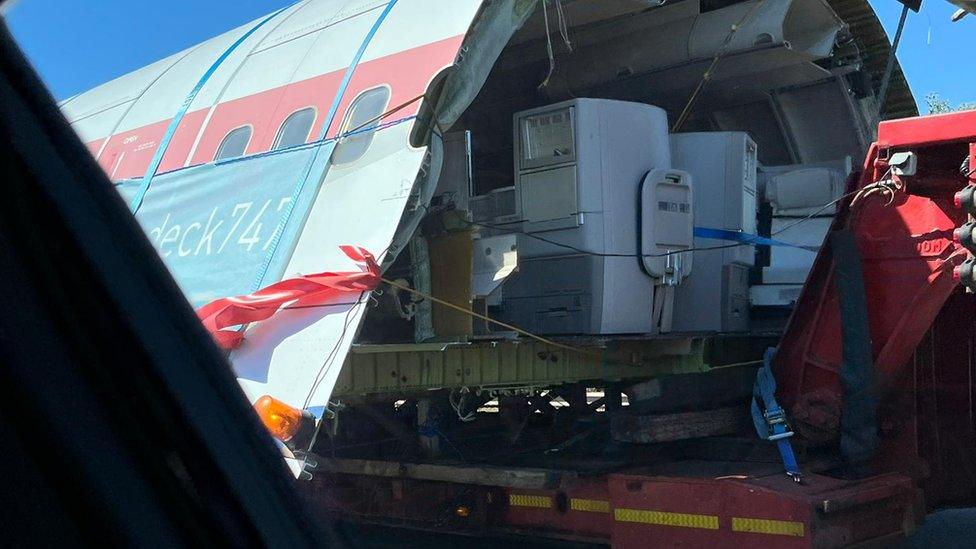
{"type": "Point", "coordinates": [175, 123]}
{"type": "Point", "coordinates": [330, 117]}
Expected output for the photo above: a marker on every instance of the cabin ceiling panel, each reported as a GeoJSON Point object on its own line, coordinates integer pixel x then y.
{"type": "Point", "coordinates": [805, 111]}
{"type": "Point", "coordinates": [759, 120]}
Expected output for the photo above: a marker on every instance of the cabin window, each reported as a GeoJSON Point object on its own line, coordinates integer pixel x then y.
{"type": "Point", "coordinates": [362, 118]}
{"type": "Point", "coordinates": [295, 129]}
{"type": "Point", "coordinates": [234, 144]}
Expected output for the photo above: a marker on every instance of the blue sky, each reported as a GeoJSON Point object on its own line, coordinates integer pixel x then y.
{"type": "Point", "coordinates": [76, 44]}
{"type": "Point", "coordinates": [934, 51]}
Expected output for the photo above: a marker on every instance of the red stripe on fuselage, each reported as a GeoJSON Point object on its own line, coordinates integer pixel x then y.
{"type": "Point", "coordinates": [95, 146]}
{"type": "Point", "coordinates": [407, 73]}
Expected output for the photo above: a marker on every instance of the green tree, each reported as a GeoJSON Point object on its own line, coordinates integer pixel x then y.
{"type": "Point", "coordinates": [937, 105]}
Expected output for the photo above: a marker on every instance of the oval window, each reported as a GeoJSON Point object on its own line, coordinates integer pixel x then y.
{"type": "Point", "coordinates": [295, 129]}
{"type": "Point", "coordinates": [234, 144]}
{"type": "Point", "coordinates": [362, 120]}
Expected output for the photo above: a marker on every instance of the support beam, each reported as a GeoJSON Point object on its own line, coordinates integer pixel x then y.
{"type": "Point", "coordinates": [680, 426]}
{"type": "Point", "coordinates": [889, 69]}
{"type": "Point", "coordinates": [507, 477]}
{"type": "Point", "coordinates": [430, 442]}
{"type": "Point", "coordinates": [418, 368]}
{"type": "Point", "coordinates": [613, 399]}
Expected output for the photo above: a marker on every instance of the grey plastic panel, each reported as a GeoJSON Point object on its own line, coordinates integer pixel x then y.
{"type": "Point", "coordinates": [584, 196]}
{"type": "Point", "coordinates": [735, 298]}
{"type": "Point", "coordinates": [715, 297]}
{"type": "Point", "coordinates": [554, 296]}
{"type": "Point", "coordinates": [549, 195]}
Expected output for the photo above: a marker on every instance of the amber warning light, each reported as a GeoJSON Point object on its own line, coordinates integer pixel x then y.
{"type": "Point", "coordinates": [284, 422]}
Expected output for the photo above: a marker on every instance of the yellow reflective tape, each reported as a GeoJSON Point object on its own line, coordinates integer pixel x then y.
{"type": "Point", "coordinates": [685, 520]}
{"type": "Point", "coordinates": [589, 505]}
{"type": "Point", "coordinates": [768, 526]}
{"type": "Point", "coordinates": [524, 500]}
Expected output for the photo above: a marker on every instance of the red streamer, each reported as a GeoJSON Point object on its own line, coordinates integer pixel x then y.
{"type": "Point", "coordinates": [314, 289]}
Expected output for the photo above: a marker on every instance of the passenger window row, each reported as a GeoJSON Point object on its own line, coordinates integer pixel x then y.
{"type": "Point", "coordinates": [362, 116]}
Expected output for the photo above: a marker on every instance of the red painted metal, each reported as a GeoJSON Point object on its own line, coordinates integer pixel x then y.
{"type": "Point", "coordinates": [928, 130]}
{"type": "Point", "coordinates": [908, 255]}
{"type": "Point", "coordinates": [566, 517]}
{"type": "Point", "coordinates": [831, 512]}
{"type": "Point", "coordinates": [127, 153]}
{"type": "Point", "coordinates": [929, 426]}
{"type": "Point", "coordinates": [633, 510]}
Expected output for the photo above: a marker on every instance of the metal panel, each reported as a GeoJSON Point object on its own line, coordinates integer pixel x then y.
{"type": "Point", "coordinates": [311, 40]}
{"type": "Point", "coordinates": [804, 110]}
{"type": "Point", "coordinates": [548, 195]}
{"type": "Point", "coordinates": [123, 89]}
{"type": "Point", "coordinates": [374, 369]}
{"type": "Point", "coordinates": [872, 41]}
{"type": "Point", "coordinates": [165, 96]}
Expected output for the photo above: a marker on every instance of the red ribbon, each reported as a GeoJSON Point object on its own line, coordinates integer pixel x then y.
{"type": "Point", "coordinates": [314, 289]}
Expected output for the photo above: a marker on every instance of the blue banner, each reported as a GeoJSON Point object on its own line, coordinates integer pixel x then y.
{"type": "Point", "coordinates": [216, 225]}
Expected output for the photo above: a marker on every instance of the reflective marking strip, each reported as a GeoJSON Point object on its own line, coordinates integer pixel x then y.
{"type": "Point", "coordinates": [768, 526]}
{"type": "Point", "coordinates": [707, 522]}
{"type": "Point", "coordinates": [589, 505]}
{"type": "Point", "coordinates": [523, 500]}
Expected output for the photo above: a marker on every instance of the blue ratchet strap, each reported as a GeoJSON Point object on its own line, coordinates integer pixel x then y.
{"type": "Point", "coordinates": [351, 69]}
{"type": "Point", "coordinates": [175, 123]}
{"type": "Point", "coordinates": [770, 418]}
{"type": "Point", "coordinates": [323, 134]}
{"type": "Point", "coordinates": [430, 429]}
{"type": "Point", "coordinates": [745, 238]}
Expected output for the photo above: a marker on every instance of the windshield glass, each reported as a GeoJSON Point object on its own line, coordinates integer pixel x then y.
{"type": "Point", "coordinates": [511, 269]}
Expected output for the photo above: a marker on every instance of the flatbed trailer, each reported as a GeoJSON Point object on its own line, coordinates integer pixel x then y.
{"type": "Point", "coordinates": [882, 437]}
{"type": "Point", "coordinates": [694, 502]}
